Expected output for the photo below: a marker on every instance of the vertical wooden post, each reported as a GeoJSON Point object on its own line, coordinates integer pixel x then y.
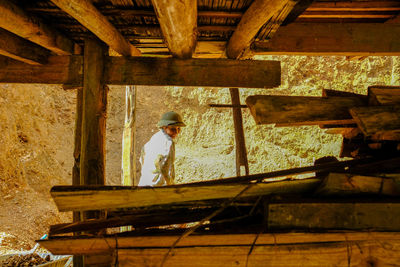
{"type": "Point", "coordinates": [77, 260]}
{"type": "Point", "coordinates": [94, 107]}
{"type": "Point", "coordinates": [93, 114]}
{"type": "Point", "coordinates": [128, 139]}
{"type": "Point", "coordinates": [241, 152]}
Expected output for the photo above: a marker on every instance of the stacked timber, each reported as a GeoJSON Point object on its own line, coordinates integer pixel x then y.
{"type": "Point", "coordinates": [370, 124]}
{"type": "Point", "coordinates": [240, 220]}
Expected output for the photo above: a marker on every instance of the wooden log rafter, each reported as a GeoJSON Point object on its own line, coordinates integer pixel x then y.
{"type": "Point", "coordinates": [17, 21]}
{"type": "Point", "coordinates": [178, 22]}
{"type": "Point", "coordinates": [84, 12]}
{"type": "Point", "coordinates": [22, 50]}
{"type": "Point", "coordinates": [260, 12]}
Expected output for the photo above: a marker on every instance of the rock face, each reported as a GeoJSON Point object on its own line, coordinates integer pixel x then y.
{"type": "Point", "coordinates": [37, 124]}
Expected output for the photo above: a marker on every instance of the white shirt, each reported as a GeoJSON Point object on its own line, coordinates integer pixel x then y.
{"type": "Point", "coordinates": [157, 159]}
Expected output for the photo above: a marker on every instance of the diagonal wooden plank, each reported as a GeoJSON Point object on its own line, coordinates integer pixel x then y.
{"type": "Point", "coordinates": [22, 50]}
{"type": "Point", "coordinates": [259, 13]}
{"type": "Point", "coordinates": [178, 22]}
{"type": "Point", "coordinates": [76, 198]}
{"type": "Point", "coordinates": [84, 12]}
{"type": "Point", "coordinates": [17, 21]}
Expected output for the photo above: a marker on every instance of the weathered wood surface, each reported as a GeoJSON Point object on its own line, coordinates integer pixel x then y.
{"type": "Point", "coordinates": [363, 253]}
{"type": "Point", "coordinates": [140, 71]}
{"type": "Point", "coordinates": [151, 219]}
{"type": "Point", "coordinates": [384, 95]}
{"type": "Point", "coordinates": [69, 198]}
{"type": "Point", "coordinates": [22, 50]}
{"type": "Point", "coordinates": [378, 122]}
{"type": "Point", "coordinates": [333, 39]}
{"type": "Point", "coordinates": [329, 93]}
{"type": "Point", "coordinates": [84, 12]}
{"type": "Point", "coordinates": [95, 245]}
{"type": "Point", "coordinates": [94, 108]}
{"type": "Point", "coordinates": [58, 70]}
{"type": "Point", "coordinates": [240, 143]}
{"type": "Point", "coordinates": [301, 110]}
{"type": "Point", "coordinates": [17, 21]}
{"type": "Point", "coordinates": [178, 22]}
{"type": "Point", "coordinates": [194, 72]}
{"type": "Point", "coordinates": [349, 216]}
{"type": "Point", "coordinates": [251, 22]}
{"type": "Point", "coordinates": [349, 184]}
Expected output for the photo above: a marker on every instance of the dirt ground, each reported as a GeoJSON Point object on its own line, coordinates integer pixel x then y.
{"type": "Point", "coordinates": [37, 126]}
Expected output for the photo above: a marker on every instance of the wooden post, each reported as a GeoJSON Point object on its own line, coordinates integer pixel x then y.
{"type": "Point", "coordinates": [128, 139]}
{"type": "Point", "coordinates": [241, 152]}
{"type": "Point", "coordinates": [76, 180]}
{"type": "Point", "coordinates": [94, 106]}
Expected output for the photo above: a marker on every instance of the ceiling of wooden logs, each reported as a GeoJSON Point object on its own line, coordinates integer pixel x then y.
{"type": "Point", "coordinates": [219, 26]}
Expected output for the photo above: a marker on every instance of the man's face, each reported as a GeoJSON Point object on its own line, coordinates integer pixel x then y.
{"type": "Point", "coordinates": [172, 131]}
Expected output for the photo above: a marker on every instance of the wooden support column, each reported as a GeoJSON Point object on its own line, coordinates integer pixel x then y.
{"type": "Point", "coordinates": [178, 22]}
{"type": "Point", "coordinates": [94, 108]}
{"type": "Point", "coordinates": [241, 152]}
{"type": "Point", "coordinates": [78, 260]}
{"type": "Point", "coordinates": [128, 139]}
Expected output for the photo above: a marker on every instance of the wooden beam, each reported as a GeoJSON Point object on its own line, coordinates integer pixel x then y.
{"type": "Point", "coordinates": [301, 110]}
{"type": "Point", "coordinates": [178, 22]}
{"type": "Point", "coordinates": [347, 39]}
{"type": "Point", "coordinates": [349, 216]}
{"type": "Point", "coordinates": [378, 122]}
{"type": "Point", "coordinates": [384, 95]}
{"type": "Point", "coordinates": [363, 254]}
{"type": "Point", "coordinates": [84, 12]}
{"type": "Point", "coordinates": [140, 71]}
{"type": "Point", "coordinates": [17, 21]}
{"type": "Point", "coordinates": [22, 50]}
{"type": "Point", "coordinates": [342, 184]}
{"type": "Point", "coordinates": [58, 70]}
{"type": "Point", "coordinates": [299, 8]}
{"type": "Point", "coordinates": [253, 19]}
{"type": "Point", "coordinates": [84, 198]}
{"type": "Point", "coordinates": [97, 245]}
{"type": "Point", "coordinates": [355, 6]}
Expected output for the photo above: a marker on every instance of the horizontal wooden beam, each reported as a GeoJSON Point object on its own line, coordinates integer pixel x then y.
{"type": "Point", "coordinates": [17, 21]}
{"type": "Point", "coordinates": [345, 39]}
{"type": "Point", "coordinates": [22, 50]}
{"type": "Point", "coordinates": [97, 245]}
{"type": "Point", "coordinates": [142, 70]}
{"type": "Point", "coordinates": [301, 110]}
{"type": "Point", "coordinates": [349, 216]}
{"type": "Point", "coordinates": [356, 6]}
{"type": "Point", "coordinates": [58, 70]}
{"type": "Point", "coordinates": [78, 198]}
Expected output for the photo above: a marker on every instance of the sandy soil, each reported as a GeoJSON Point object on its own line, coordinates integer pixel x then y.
{"type": "Point", "coordinates": [37, 123]}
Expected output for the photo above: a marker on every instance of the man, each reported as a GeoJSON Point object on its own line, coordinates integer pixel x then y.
{"type": "Point", "coordinates": [158, 155]}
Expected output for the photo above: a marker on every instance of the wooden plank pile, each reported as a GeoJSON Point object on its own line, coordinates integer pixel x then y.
{"type": "Point", "coordinates": [240, 219]}
{"type": "Point", "coordinates": [369, 124]}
